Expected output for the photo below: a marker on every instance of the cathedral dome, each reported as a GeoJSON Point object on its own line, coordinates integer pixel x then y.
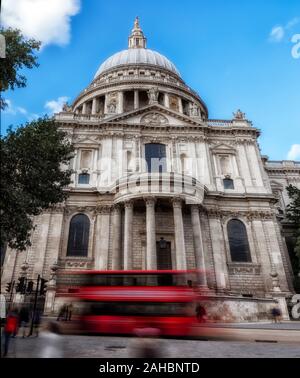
{"type": "Point", "coordinates": [138, 56]}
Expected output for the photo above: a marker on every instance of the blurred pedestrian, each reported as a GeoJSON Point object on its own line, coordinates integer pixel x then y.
{"type": "Point", "coordinates": [201, 313]}
{"type": "Point", "coordinates": [10, 329]}
{"type": "Point", "coordinates": [276, 314]}
{"type": "Point", "coordinates": [70, 311]}
{"type": "Point", "coordinates": [24, 319]}
{"type": "Point", "coordinates": [51, 342]}
{"type": "Point", "coordinates": [146, 344]}
{"type": "Point", "coordinates": [62, 313]}
{"type": "Point", "coordinates": [37, 321]}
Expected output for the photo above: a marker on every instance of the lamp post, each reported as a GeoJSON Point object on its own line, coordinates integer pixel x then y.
{"type": "Point", "coordinates": [163, 243]}
{"type": "Point", "coordinates": [35, 305]}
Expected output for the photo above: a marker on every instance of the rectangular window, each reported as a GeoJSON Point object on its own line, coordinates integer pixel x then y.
{"type": "Point", "coordinates": [84, 179]}
{"type": "Point", "coordinates": [86, 159]}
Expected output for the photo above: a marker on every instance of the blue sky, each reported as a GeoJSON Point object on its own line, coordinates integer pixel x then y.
{"type": "Point", "coordinates": [235, 54]}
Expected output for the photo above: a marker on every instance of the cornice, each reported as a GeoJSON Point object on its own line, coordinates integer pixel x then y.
{"type": "Point", "coordinates": [194, 126]}
{"type": "Point", "coordinates": [250, 215]}
{"type": "Point", "coordinates": [242, 197]}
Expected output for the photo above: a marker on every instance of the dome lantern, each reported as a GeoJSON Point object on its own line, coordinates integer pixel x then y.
{"type": "Point", "coordinates": [137, 40]}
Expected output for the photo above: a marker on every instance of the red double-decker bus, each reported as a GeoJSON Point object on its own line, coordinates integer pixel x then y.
{"type": "Point", "coordinates": [124, 302]}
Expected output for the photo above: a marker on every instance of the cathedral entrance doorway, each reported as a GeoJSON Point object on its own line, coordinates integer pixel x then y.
{"type": "Point", "coordinates": [164, 255]}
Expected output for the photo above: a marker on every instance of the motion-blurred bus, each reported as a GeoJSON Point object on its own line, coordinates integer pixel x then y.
{"type": "Point", "coordinates": [125, 302]}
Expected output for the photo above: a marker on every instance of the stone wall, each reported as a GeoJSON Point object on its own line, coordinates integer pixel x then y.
{"type": "Point", "coordinates": [226, 309]}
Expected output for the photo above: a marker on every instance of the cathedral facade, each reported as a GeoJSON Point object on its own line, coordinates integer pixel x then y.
{"type": "Point", "coordinates": [159, 185]}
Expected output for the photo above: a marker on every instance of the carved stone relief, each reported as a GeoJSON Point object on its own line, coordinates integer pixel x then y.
{"type": "Point", "coordinates": [154, 119]}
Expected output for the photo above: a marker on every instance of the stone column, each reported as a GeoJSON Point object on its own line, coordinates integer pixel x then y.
{"type": "Point", "coordinates": [8, 268]}
{"type": "Point", "coordinates": [55, 233]}
{"type": "Point", "coordinates": [181, 263]}
{"type": "Point", "coordinates": [167, 100]}
{"type": "Point", "coordinates": [151, 258]}
{"type": "Point", "coordinates": [198, 243]}
{"type": "Point", "coordinates": [219, 252]}
{"type": "Point", "coordinates": [136, 100]}
{"type": "Point", "coordinates": [121, 102]}
{"type": "Point", "coordinates": [128, 235]}
{"type": "Point", "coordinates": [42, 242]}
{"type": "Point", "coordinates": [94, 106]}
{"type": "Point", "coordinates": [180, 105]}
{"type": "Point", "coordinates": [117, 237]}
{"type": "Point", "coordinates": [102, 238]}
{"type": "Point", "coordinates": [84, 109]}
{"type": "Point", "coordinates": [105, 104]}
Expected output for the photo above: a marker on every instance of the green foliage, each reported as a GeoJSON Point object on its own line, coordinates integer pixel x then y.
{"type": "Point", "coordinates": [297, 248]}
{"type": "Point", "coordinates": [32, 178]}
{"type": "Point", "coordinates": [293, 214]}
{"type": "Point", "coordinates": [19, 54]}
{"type": "Point", "coordinates": [293, 210]}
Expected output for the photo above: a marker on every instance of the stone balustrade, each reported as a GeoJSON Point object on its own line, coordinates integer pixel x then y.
{"type": "Point", "coordinates": [159, 185]}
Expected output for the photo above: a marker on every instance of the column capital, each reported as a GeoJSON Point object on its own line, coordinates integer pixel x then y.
{"type": "Point", "coordinates": [58, 209]}
{"type": "Point", "coordinates": [177, 202]}
{"type": "Point", "coordinates": [129, 204]}
{"type": "Point", "coordinates": [195, 208]}
{"type": "Point", "coordinates": [150, 201]}
{"type": "Point", "coordinates": [116, 209]}
{"type": "Point", "coordinates": [103, 209]}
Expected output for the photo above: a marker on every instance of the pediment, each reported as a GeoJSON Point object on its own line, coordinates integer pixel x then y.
{"type": "Point", "coordinates": [88, 141]}
{"type": "Point", "coordinates": [223, 148]}
{"type": "Point", "coordinates": [155, 115]}
{"type": "Point", "coordinates": [276, 185]}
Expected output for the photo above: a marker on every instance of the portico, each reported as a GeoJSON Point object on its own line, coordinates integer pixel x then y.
{"type": "Point", "coordinates": [146, 208]}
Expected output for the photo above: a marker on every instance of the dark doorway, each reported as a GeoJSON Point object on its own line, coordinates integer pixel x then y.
{"type": "Point", "coordinates": [164, 256]}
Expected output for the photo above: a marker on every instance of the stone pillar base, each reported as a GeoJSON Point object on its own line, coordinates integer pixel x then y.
{"type": "Point", "coordinates": [280, 298]}
{"type": "Point", "coordinates": [49, 301]}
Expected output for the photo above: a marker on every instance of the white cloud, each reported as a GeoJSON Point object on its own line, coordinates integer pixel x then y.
{"type": "Point", "coordinates": [55, 106]}
{"type": "Point", "coordinates": [14, 110]}
{"type": "Point", "coordinates": [295, 21]}
{"type": "Point", "coordinates": [45, 20]}
{"type": "Point", "coordinates": [294, 153]}
{"type": "Point", "coordinates": [278, 32]}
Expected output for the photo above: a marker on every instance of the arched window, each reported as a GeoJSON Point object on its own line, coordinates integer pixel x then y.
{"type": "Point", "coordinates": [78, 243]}
{"type": "Point", "coordinates": [238, 241]}
{"type": "Point", "coordinates": [156, 158]}
{"type": "Point", "coordinates": [228, 183]}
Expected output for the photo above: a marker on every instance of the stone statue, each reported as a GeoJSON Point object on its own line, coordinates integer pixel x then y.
{"type": "Point", "coordinates": [67, 108]}
{"type": "Point", "coordinates": [112, 107]}
{"type": "Point", "coordinates": [112, 103]}
{"type": "Point", "coordinates": [194, 111]}
{"type": "Point", "coordinates": [239, 115]}
{"type": "Point", "coordinates": [153, 94]}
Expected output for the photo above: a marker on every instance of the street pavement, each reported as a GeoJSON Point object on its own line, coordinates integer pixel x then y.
{"type": "Point", "coordinates": [125, 347]}
{"type": "Point", "coordinates": [221, 341]}
{"type": "Point", "coordinates": [288, 332]}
